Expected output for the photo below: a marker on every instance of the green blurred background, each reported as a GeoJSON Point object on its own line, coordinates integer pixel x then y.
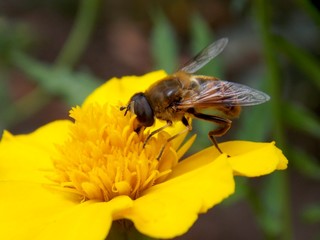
{"type": "Point", "coordinates": [55, 52]}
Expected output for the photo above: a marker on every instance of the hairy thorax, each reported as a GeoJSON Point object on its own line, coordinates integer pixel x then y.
{"type": "Point", "coordinates": [165, 95]}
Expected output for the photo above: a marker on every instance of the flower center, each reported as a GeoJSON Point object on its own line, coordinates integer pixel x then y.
{"type": "Point", "coordinates": [104, 157]}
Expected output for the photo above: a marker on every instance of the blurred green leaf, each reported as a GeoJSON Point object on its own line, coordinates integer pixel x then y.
{"type": "Point", "coordinates": [201, 34]}
{"type": "Point", "coordinates": [80, 34]}
{"type": "Point", "coordinates": [25, 107]}
{"type": "Point", "coordinates": [4, 90]}
{"type": "Point", "coordinates": [274, 204]}
{"type": "Point", "coordinates": [311, 214]}
{"type": "Point", "coordinates": [302, 59]}
{"type": "Point", "coordinates": [4, 100]}
{"type": "Point", "coordinates": [13, 37]}
{"type": "Point", "coordinates": [276, 213]}
{"type": "Point", "coordinates": [310, 9]}
{"type": "Point", "coordinates": [164, 45]}
{"type": "Point", "coordinates": [254, 123]}
{"type": "Point", "coordinates": [304, 163]}
{"type": "Point", "coordinates": [263, 15]}
{"type": "Point", "coordinates": [73, 87]}
{"type": "Point", "coordinates": [240, 193]}
{"type": "Point", "coordinates": [302, 119]}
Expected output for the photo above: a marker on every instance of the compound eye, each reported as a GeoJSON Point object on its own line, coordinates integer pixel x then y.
{"type": "Point", "coordinates": [142, 109]}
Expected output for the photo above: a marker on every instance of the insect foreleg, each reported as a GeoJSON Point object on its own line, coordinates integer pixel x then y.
{"type": "Point", "coordinates": [169, 123]}
{"type": "Point", "coordinates": [187, 129]}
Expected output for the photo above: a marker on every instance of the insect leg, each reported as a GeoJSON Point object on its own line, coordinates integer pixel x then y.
{"type": "Point", "coordinates": [224, 125]}
{"type": "Point", "coordinates": [169, 123]}
{"type": "Point", "coordinates": [187, 129]}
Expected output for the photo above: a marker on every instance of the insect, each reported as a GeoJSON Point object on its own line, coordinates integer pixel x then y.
{"type": "Point", "coordinates": [182, 95]}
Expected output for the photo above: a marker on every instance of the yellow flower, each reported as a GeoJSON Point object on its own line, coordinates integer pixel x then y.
{"type": "Point", "coordinates": [71, 180]}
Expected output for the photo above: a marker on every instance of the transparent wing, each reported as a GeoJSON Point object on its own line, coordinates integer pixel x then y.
{"type": "Point", "coordinates": [205, 56]}
{"type": "Point", "coordinates": [212, 93]}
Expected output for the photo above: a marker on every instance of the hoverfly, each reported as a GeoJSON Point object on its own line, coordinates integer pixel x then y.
{"type": "Point", "coordinates": [182, 95]}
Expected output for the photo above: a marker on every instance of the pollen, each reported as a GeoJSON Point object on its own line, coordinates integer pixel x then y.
{"type": "Point", "coordinates": [104, 157]}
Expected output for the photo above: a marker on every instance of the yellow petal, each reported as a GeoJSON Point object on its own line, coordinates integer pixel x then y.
{"type": "Point", "coordinates": [249, 159]}
{"type": "Point", "coordinates": [186, 146]}
{"type": "Point", "coordinates": [27, 157]}
{"type": "Point", "coordinates": [89, 220]}
{"type": "Point", "coordinates": [253, 159]}
{"type": "Point", "coordinates": [33, 211]}
{"type": "Point", "coordinates": [197, 160]}
{"type": "Point", "coordinates": [25, 207]}
{"type": "Point", "coordinates": [169, 209]}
